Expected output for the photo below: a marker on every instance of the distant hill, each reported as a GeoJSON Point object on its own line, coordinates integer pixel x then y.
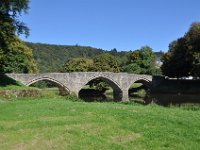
{"type": "Point", "coordinates": [51, 58]}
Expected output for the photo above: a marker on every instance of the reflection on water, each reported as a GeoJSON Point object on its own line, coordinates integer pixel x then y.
{"type": "Point", "coordinates": [91, 95]}
{"type": "Point", "coordinates": [178, 98]}
{"type": "Point", "coordinates": [97, 98]}
{"type": "Point", "coordinates": [142, 97]}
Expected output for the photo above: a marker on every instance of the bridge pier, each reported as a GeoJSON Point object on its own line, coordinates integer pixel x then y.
{"type": "Point", "coordinates": [125, 97]}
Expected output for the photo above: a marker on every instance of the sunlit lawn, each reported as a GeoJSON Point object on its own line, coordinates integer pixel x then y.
{"type": "Point", "coordinates": [61, 124]}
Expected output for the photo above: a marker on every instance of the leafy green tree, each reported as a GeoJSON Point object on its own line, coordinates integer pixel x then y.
{"type": "Point", "coordinates": [183, 57]}
{"type": "Point", "coordinates": [132, 68]}
{"type": "Point", "coordinates": [106, 62]}
{"type": "Point", "coordinates": [17, 58]}
{"type": "Point", "coordinates": [78, 65]}
{"type": "Point", "coordinates": [14, 55]}
{"type": "Point", "coordinates": [9, 23]}
{"type": "Point", "coordinates": [10, 10]}
{"type": "Point", "coordinates": [176, 63]}
{"type": "Point", "coordinates": [193, 43]}
{"type": "Point", "coordinates": [141, 61]}
{"type": "Point", "coordinates": [148, 60]}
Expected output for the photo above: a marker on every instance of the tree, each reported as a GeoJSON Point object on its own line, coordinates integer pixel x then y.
{"type": "Point", "coordinates": [141, 61]}
{"type": "Point", "coordinates": [193, 43]}
{"type": "Point", "coordinates": [14, 55]}
{"type": "Point", "coordinates": [113, 52]}
{"type": "Point", "coordinates": [9, 12]}
{"type": "Point", "coordinates": [177, 62]}
{"type": "Point", "coordinates": [78, 65]}
{"type": "Point", "coordinates": [132, 68]}
{"type": "Point", "coordinates": [106, 62]}
{"type": "Point", "coordinates": [183, 56]}
{"type": "Point", "coordinates": [17, 58]}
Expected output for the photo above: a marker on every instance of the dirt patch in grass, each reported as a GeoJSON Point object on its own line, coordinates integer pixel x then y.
{"type": "Point", "coordinates": [19, 146]}
{"type": "Point", "coordinates": [124, 138]}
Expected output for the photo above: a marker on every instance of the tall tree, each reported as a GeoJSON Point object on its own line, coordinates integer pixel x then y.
{"type": "Point", "coordinates": [17, 58]}
{"type": "Point", "coordinates": [14, 55]}
{"type": "Point", "coordinates": [10, 10]}
{"type": "Point", "coordinates": [183, 57]}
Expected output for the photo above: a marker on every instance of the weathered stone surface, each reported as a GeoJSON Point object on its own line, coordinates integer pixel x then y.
{"type": "Point", "coordinates": [73, 82]}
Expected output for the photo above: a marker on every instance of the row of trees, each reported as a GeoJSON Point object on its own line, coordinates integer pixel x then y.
{"type": "Point", "coordinates": [103, 62]}
{"type": "Point", "coordinates": [140, 61]}
{"type": "Point", "coordinates": [51, 58]}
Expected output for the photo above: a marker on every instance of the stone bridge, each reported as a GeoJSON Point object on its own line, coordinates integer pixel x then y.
{"type": "Point", "coordinates": [72, 83]}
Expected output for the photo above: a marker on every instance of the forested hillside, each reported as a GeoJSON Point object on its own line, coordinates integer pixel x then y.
{"type": "Point", "coordinates": [51, 58]}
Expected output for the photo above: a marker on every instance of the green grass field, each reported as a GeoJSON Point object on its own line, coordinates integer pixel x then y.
{"type": "Point", "coordinates": [59, 123]}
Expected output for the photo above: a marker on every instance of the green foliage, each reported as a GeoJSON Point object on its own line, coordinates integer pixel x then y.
{"type": "Point", "coordinates": [9, 12]}
{"type": "Point", "coordinates": [141, 61]}
{"type": "Point", "coordinates": [78, 65]}
{"type": "Point", "coordinates": [14, 55]}
{"type": "Point", "coordinates": [103, 62]}
{"type": "Point", "coordinates": [106, 62]}
{"type": "Point", "coordinates": [17, 58]}
{"type": "Point", "coordinates": [132, 68]}
{"type": "Point", "coordinates": [52, 58]}
{"type": "Point", "coordinates": [183, 57]}
{"type": "Point", "coordinates": [9, 22]}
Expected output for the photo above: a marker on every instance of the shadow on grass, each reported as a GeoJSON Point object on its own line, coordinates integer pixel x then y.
{"type": "Point", "coordinates": [5, 81]}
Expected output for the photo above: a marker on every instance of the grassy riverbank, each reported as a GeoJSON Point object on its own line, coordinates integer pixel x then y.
{"type": "Point", "coordinates": [59, 123]}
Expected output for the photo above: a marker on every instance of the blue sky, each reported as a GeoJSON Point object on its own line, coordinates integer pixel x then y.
{"type": "Point", "coordinates": [107, 24]}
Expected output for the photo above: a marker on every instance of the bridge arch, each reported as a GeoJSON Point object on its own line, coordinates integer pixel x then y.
{"type": "Point", "coordinates": [140, 92]}
{"type": "Point", "coordinates": [117, 91]}
{"type": "Point", "coordinates": [62, 88]}
{"type": "Point", "coordinates": [142, 80]}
